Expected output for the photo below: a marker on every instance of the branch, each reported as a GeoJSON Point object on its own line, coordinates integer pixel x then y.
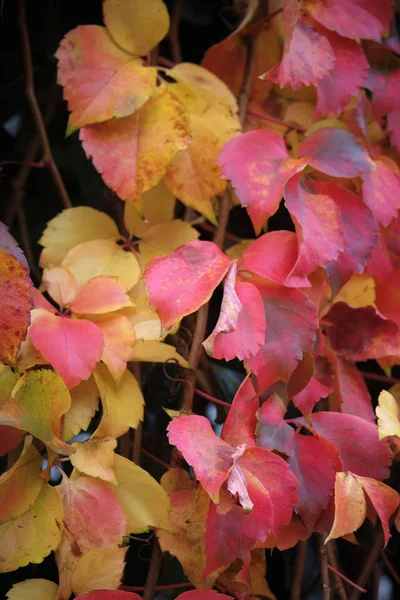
{"type": "Point", "coordinates": [298, 571]}
{"type": "Point", "coordinates": [266, 117]}
{"type": "Point", "coordinates": [154, 572]}
{"type": "Point", "coordinates": [349, 581]}
{"type": "Point", "coordinates": [390, 568]}
{"type": "Point", "coordinates": [158, 588]}
{"type": "Point", "coordinates": [34, 106]}
{"type": "Point", "coordinates": [334, 567]}
{"type": "Point", "coordinates": [369, 564]}
{"type": "Point", "coordinates": [326, 586]}
{"type": "Point", "coordinates": [378, 377]}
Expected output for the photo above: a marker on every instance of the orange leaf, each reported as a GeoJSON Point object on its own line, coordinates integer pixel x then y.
{"type": "Point", "coordinates": [119, 338]}
{"type": "Point", "coordinates": [100, 295]}
{"type": "Point", "coordinates": [350, 506]}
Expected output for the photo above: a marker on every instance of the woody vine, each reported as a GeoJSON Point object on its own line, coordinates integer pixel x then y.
{"type": "Point", "coordinates": [297, 111]}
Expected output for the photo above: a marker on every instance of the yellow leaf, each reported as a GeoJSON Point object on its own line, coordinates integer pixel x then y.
{"type": "Point", "coordinates": [33, 589]}
{"type": "Point", "coordinates": [119, 337]}
{"type": "Point", "coordinates": [358, 291]}
{"type": "Point", "coordinates": [71, 227]}
{"type": "Point", "coordinates": [387, 412]}
{"type": "Point", "coordinates": [29, 356]}
{"type": "Point", "coordinates": [20, 485]}
{"type": "Point", "coordinates": [194, 175]}
{"type": "Point", "coordinates": [143, 500]}
{"type": "Point", "coordinates": [60, 284]}
{"type": "Point", "coordinates": [31, 537]}
{"type": "Point", "coordinates": [84, 404]}
{"type": "Point", "coordinates": [37, 405]}
{"type": "Point", "coordinates": [99, 569]}
{"type": "Point", "coordinates": [350, 506]}
{"type": "Point", "coordinates": [102, 257]}
{"type": "Point", "coordinates": [144, 318]}
{"type": "Point", "coordinates": [95, 457]}
{"type": "Point", "coordinates": [164, 238]}
{"type": "Point", "coordinates": [158, 205]}
{"type": "Point", "coordinates": [135, 25]}
{"type": "Point", "coordinates": [237, 250]}
{"type": "Point", "coordinates": [67, 556]}
{"type": "Point", "coordinates": [8, 379]}
{"type": "Point", "coordinates": [156, 351]}
{"type": "Point", "coordinates": [122, 402]}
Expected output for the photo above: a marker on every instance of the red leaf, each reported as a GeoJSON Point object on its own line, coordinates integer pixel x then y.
{"type": "Point", "coordinates": [351, 391]}
{"type": "Point", "coordinates": [383, 498]}
{"type": "Point", "coordinates": [280, 247]}
{"type": "Point", "coordinates": [241, 422]}
{"type": "Point", "coordinates": [384, 79]}
{"type": "Point", "coordinates": [258, 165]}
{"type": "Point", "coordinates": [8, 243]}
{"type": "Point", "coordinates": [393, 120]}
{"type": "Point", "coordinates": [335, 152]}
{"type": "Point", "coordinates": [360, 333]}
{"type": "Point", "coordinates": [307, 58]}
{"type": "Point", "coordinates": [357, 440]}
{"type": "Point", "coordinates": [203, 595]}
{"type": "Point", "coordinates": [273, 433]}
{"type": "Point", "coordinates": [314, 461]}
{"type": "Point", "coordinates": [367, 19]}
{"type": "Point", "coordinates": [71, 346]}
{"type": "Point", "coordinates": [248, 336]}
{"type": "Point", "coordinates": [210, 457]}
{"type": "Point", "coordinates": [381, 192]}
{"type": "Point", "coordinates": [100, 80]}
{"type": "Point", "coordinates": [15, 306]}
{"type": "Point", "coordinates": [185, 280]}
{"type": "Point", "coordinates": [109, 595]}
{"type": "Point", "coordinates": [10, 438]}
{"type": "Point", "coordinates": [318, 224]}
{"type": "Point", "coordinates": [343, 82]}
{"type": "Point", "coordinates": [291, 321]}
{"type": "Point", "coordinates": [319, 386]}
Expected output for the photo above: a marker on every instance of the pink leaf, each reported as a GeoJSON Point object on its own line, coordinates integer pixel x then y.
{"type": "Point", "coordinates": [273, 433]}
{"type": "Point", "coordinates": [384, 79]}
{"type": "Point", "coordinates": [185, 280]}
{"type": "Point", "coordinates": [119, 337]}
{"type": "Point", "coordinates": [71, 346]}
{"type": "Point", "coordinates": [281, 249]}
{"type": "Point", "coordinates": [210, 457]}
{"type": "Point", "coordinates": [319, 386]}
{"type": "Point", "coordinates": [100, 295]}
{"type": "Point", "coordinates": [109, 595]}
{"type": "Point", "coordinates": [393, 120]}
{"type": "Point", "coordinates": [241, 422]}
{"type": "Point", "coordinates": [352, 393]}
{"type": "Point", "coordinates": [258, 165]}
{"type": "Point", "coordinates": [381, 192]}
{"type": "Point", "coordinates": [202, 595]}
{"type": "Point", "coordinates": [335, 152]}
{"type": "Point", "coordinates": [60, 285]}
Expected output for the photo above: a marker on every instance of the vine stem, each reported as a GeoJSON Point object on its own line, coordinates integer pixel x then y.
{"type": "Point", "coordinates": [379, 377]}
{"type": "Point", "coordinates": [326, 586]}
{"type": "Point", "coordinates": [369, 564]}
{"type": "Point", "coordinates": [158, 588]}
{"type": "Point", "coordinates": [173, 35]}
{"type": "Point", "coordinates": [334, 567]}
{"type": "Point", "coordinates": [224, 208]}
{"type": "Point", "coordinates": [154, 571]}
{"type": "Point", "coordinates": [211, 398]}
{"type": "Point", "coordinates": [37, 116]}
{"type": "Point", "coordinates": [390, 567]}
{"type": "Point", "coordinates": [349, 581]}
{"type": "Point", "coordinates": [298, 571]}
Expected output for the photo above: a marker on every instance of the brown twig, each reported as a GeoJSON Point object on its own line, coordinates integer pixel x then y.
{"type": "Point", "coordinates": [48, 158]}
{"type": "Point", "coordinates": [334, 567]}
{"type": "Point", "coordinates": [154, 572]}
{"type": "Point", "coordinates": [267, 117]}
{"type": "Point", "coordinates": [211, 229]}
{"type": "Point", "coordinates": [390, 567]}
{"type": "Point", "coordinates": [158, 588]}
{"type": "Point", "coordinates": [298, 571]}
{"type": "Point", "coordinates": [379, 377]}
{"type": "Point", "coordinates": [154, 458]}
{"type": "Point", "coordinates": [369, 564]}
{"type": "Point", "coordinates": [211, 398]}
{"type": "Point", "coordinates": [173, 35]}
{"type": "Point", "coordinates": [256, 26]}
{"type": "Point", "coordinates": [326, 585]}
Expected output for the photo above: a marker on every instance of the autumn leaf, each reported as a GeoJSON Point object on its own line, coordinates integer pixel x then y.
{"type": "Point", "coordinates": [258, 165]}
{"type": "Point", "coordinates": [135, 26]}
{"type": "Point", "coordinates": [98, 568]}
{"type": "Point", "coordinates": [31, 537]}
{"type": "Point", "coordinates": [9, 245]}
{"type": "Point", "coordinates": [37, 404]}
{"type": "Point", "coordinates": [156, 351]}
{"type": "Point", "coordinates": [34, 589]}
{"type": "Point", "coordinates": [351, 391]}
{"type": "Point", "coordinates": [119, 338]}
{"type": "Point", "coordinates": [241, 421]}
{"type": "Point", "coordinates": [109, 595]}
{"type": "Point", "coordinates": [281, 247]}
{"type": "Point", "coordinates": [100, 80]}
{"type": "Point", "coordinates": [84, 404]}
{"type": "Point", "coordinates": [15, 305]}
{"type": "Point", "coordinates": [196, 267]}
{"type": "Point", "coordinates": [350, 506]}
{"type": "Point", "coordinates": [272, 431]}
{"type": "Point", "coordinates": [126, 151]}
{"type": "Point", "coordinates": [319, 386]}
{"type": "Point", "coordinates": [95, 457]}
{"type": "Point", "coordinates": [93, 514]}
{"type": "Point", "coordinates": [387, 412]}
{"type": "Point", "coordinates": [381, 189]}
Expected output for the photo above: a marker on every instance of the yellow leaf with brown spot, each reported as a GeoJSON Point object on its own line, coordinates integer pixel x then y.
{"type": "Point", "coordinates": [358, 291]}
{"type": "Point", "coordinates": [135, 25]}
{"type": "Point", "coordinates": [127, 151]}
{"type": "Point", "coordinates": [95, 457]}
{"type": "Point", "coordinates": [32, 536]}
{"type": "Point", "coordinates": [102, 257]}
{"type": "Point", "coordinates": [72, 227]}
{"type": "Point", "coordinates": [122, 402]}
{"type": "Point", "coordinates": [21, 484]}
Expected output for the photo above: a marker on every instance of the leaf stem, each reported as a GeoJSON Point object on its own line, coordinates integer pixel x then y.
{"type": "Point", "coordinates": [390, 567]}
{"type": "Point", "coordinates": [154, 458]}
{"type": "Point", "coordinates": [211, 398]}
{"type": "Point", "coordinates": [349, 581]}
{"type": "Point", "coordinates": [333, 562]}
{"type": "Point", "coordinates": [379, 377]}
{"type": "Point", "coordinates": [34, 106]}
{"type": "Point", "coordinates": [266, 117]}
{"type": "Point", "coordinates": [369, 564]}
{"type": "Point", "coordinates": [154, 572]}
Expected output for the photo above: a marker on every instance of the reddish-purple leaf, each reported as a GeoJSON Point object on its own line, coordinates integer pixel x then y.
{"type": "Point", "coordinates": [185, 280]}
{"type": "Point", "coordinates": [319, 386]}
{"type": "Point", "coordinates": [291, 322]}
{"type": "Point", "coordinates": [210, 457]}
{"type": "Point", "coordinates": [318, 224]}
{"type": "Point", "coordinates": [393, 120]}
{"type": "Point", "coordinates": [248, 336]}
{"type": "Point", "coordinates": [384, 79]}
{"type": "Point", "coordinates": [307, 58]}
{"type": "Point", "coordinates": [241, 422]}
{"type": "Point", "coordinates": [258, 165]}
{"type": "Point", "coordinates": [351, 391]}
{"type": "Point", "coordinates": [367, 19]}
{"type": "Point", "coordinates": [273, 433]}
{"type": "Point", "coordinates": [335, 152]}
{"type": "Point", "coordinates": [314, 461]}
{"type": "Point", "coordinates": [272, 255]}
{"type": "Point", "coordinates": [343, 82]}
{"type": "Point", "coordinates": [203, 595]}
{"type": "Point", "coordinates": [109, 595]}
{"type": "Point", "coordinates": [361, 333]}
{"type": "Point", "coordinates": [381, 192]}
{"type": "Point", "coordinates": [357, 440]}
